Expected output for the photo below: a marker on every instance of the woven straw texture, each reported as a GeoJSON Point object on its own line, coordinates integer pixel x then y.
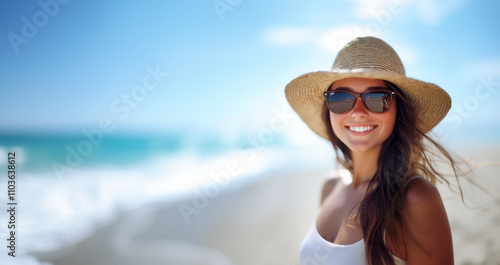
{"type": "Point", "coordinates": [366, 57]}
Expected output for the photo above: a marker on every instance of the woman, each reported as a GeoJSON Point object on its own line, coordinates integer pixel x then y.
{"type": "Point", "coordinates": [389, 212]}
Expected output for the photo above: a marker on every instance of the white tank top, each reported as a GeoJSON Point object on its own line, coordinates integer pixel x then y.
{"type": "Point", "coordinates": [315, 250]}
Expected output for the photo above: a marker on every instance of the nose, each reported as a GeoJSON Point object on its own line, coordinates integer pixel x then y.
{"type": "Point", "coordinates": [359, 110]}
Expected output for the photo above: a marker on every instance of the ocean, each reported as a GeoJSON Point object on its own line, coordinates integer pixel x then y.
{"type": "Point", "coordinates": [68, 185]}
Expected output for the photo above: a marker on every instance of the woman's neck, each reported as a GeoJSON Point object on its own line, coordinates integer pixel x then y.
{"type": "Point", "coordinates": [364, 166]}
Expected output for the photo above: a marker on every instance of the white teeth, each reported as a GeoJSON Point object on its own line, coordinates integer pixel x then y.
{"type": "Point", "coordinates": [361, 128]}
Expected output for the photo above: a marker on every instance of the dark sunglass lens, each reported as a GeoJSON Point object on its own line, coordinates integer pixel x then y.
{"type": "Point", "coordinates": [377, 101]}
{"type": "Point", "coordinates": [340, 102]}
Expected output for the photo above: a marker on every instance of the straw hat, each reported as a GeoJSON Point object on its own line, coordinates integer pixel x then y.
{"type": "Point", "coordinates": [366, 57]}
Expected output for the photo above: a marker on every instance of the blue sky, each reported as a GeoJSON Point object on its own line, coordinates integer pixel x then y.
{"type": "Point", "coordinates": [227, 61]}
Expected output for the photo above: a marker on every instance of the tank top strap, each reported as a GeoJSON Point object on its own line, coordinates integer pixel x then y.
{"type": "Point", "coordinates": [411, 179]}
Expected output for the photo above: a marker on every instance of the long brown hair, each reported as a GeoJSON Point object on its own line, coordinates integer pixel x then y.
{"type": "Point", "coordinates": [407, 152]}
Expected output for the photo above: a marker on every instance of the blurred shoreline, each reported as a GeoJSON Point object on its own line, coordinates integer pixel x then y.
{"type": "Point", "coordinates": [260, 222]}
{"type": "Point", "coordinates": [146, 217]}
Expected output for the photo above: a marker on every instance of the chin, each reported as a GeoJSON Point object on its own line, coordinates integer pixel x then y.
{"type": "Point", "coordinates": [360, 147]}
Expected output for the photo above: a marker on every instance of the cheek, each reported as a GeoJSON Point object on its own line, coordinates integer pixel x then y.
{"type": "Point", "coordinates": [336, 120]}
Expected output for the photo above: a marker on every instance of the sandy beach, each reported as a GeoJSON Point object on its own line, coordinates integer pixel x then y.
{"type": "Point", "coordinates": [263, 222]}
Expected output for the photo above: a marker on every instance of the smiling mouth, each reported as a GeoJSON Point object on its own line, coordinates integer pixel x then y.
{"type": "Point", "coordinates": [360, 129]}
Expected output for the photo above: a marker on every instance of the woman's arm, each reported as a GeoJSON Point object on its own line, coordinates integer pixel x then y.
{"type": "Point", "coordinates": [426, 230]}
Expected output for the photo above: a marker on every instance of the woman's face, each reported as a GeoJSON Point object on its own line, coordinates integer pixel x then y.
{"type": "Point", "coordinates": [360, 129]}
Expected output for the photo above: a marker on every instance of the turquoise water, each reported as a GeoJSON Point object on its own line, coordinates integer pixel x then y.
{"type": "Point", "coordinates": [122, 173]}
{"type": "Point", "coordinates": [40, 153]}
{"type": "Point", "coordinates": [46, 153]}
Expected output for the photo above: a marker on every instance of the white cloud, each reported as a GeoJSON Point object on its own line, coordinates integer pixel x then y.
{"type": "Point", "coordinates": [483, 68]}
{"type": "Point", "coordinates": [369, 9]}
{"type": "Point", "coordinates": [407, 54]}
{"type": "Point", "coordinates": [332, 39]}
{"type": "Point", "coordinates": [433, 11]}
{"type": "Point", "coordinates": [430, 12]}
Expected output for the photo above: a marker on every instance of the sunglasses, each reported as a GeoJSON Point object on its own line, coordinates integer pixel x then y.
{"type": "Point", "coordinates": [376, 101]}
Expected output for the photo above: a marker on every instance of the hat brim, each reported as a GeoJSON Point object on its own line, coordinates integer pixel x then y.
{"type": "Point", "coordinates": [305, 96]}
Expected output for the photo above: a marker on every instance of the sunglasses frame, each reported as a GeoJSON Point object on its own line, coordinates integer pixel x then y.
{"type": "Point", "coordinates": [327, 93]}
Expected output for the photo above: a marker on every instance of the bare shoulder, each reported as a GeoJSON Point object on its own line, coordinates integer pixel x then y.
{"type": "Point", "coordinates": [423, 204]}
{"type": "Point", "coordinates": [427, 232]}
{"type": "Point", "coordinates": [420, 191]}
{"type": "Point", "coordinates": [332, 178]}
